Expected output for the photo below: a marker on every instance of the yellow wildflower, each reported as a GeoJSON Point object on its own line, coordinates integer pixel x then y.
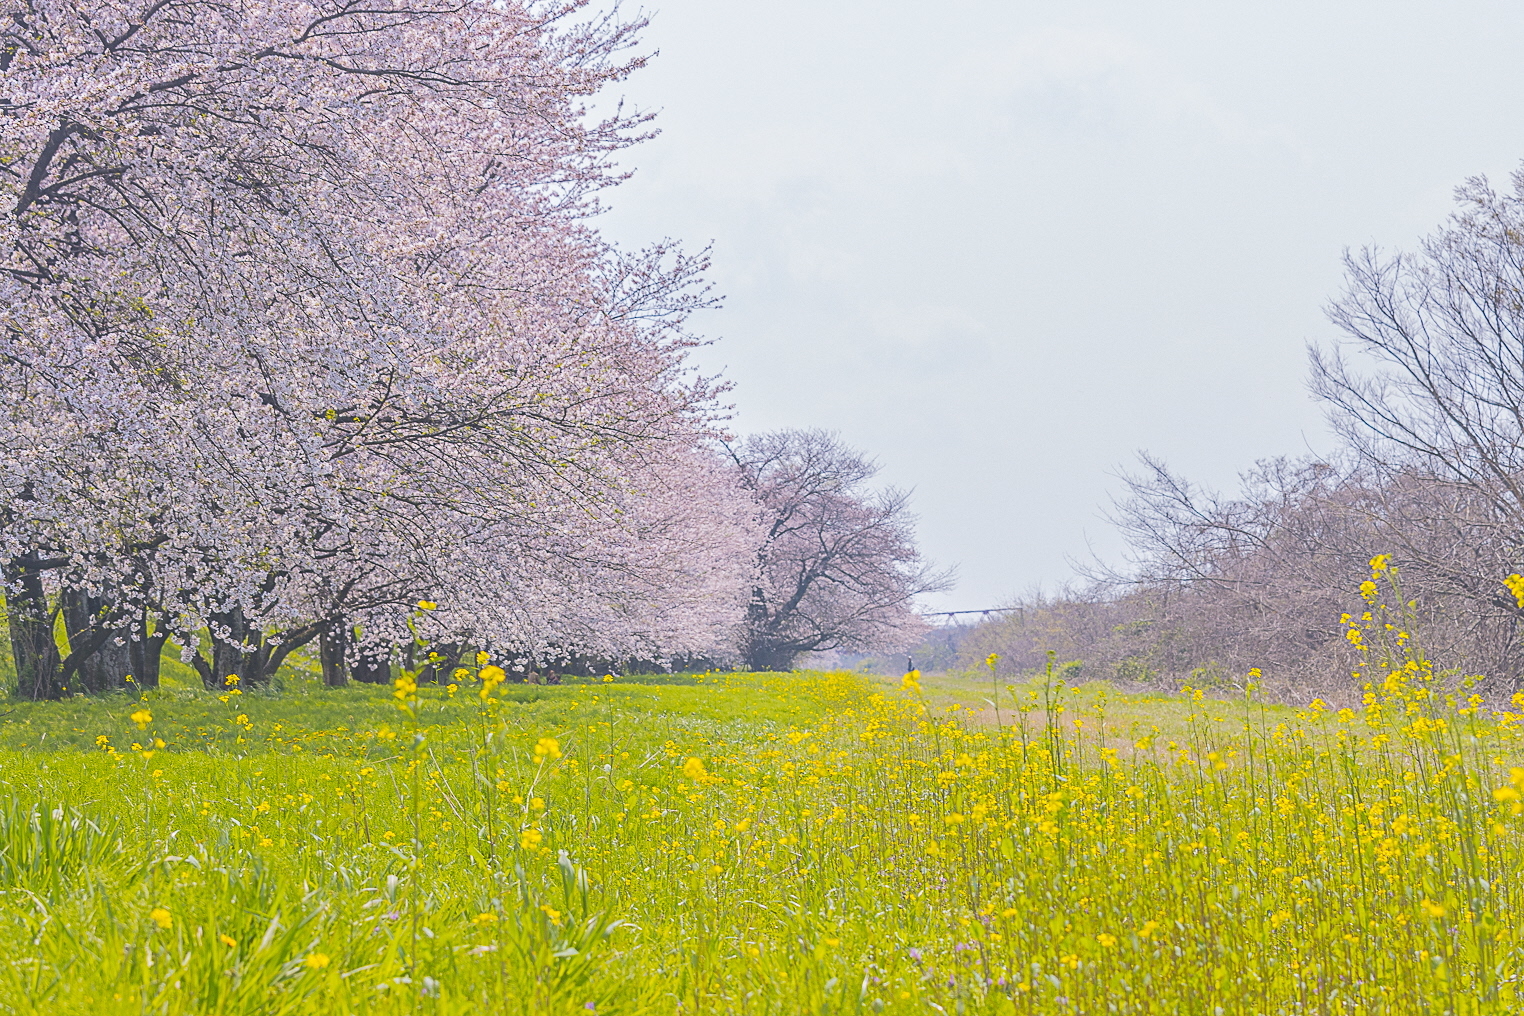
{"type": "Point", "coordinates": [491, 676]}
{"type": "Point", "coordinates": [142, 718]}
{"type": "Point", "coordinates": [694, 769]}
{"type": "Point", "coordinates": [911, 681]}
{"type": "Point", "coordinates": [547, 747]}
{"type": "Point", "coordinates": [315, 961]}
{"type": "Point", "coordinates": [427, 605]}
{"type": "Point", "coordinates": [161, 917]}
{"type": "Point", "coordinates": [404, 690]}
{"type": "Point", "coordinates": [228, 940]}
{"type": "Point", "coordinates": [1515, 584]}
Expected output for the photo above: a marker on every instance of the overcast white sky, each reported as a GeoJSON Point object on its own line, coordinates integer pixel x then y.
{"type": "Point", "coordinates": [1002, 246]}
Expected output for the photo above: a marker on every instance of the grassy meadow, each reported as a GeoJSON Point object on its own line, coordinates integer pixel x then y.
{"type": "Point", "coordinates": [761, 843]}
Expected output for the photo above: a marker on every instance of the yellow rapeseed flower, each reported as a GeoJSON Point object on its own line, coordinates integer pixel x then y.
{"type": "Point", "coordinates": [530, 838]}
{"type": "Point", "coordinates": [315, 961]}
{"type": "Point", "coordinates": [405, 691]}
{"type": "Point", "coordinates": [1515, 584]}
{"type": "Point", "coordinates": [142, 718]}
{"type": "Point", "coordinates": [491, 676]}
{"type": "Point", "coordinates": [547, 747]}
{"type": "Point", "coordinates": [484, 919]}
{"type": "Point", "coordinates": [1107, 941]}
{"type": "Point", "coordinates": [911, 681]}
{"type": "Point", "coordinates": [1380, 562]}
{"type": "Point", "coordinates": [1433, 909]}
{"type": "Point", "coordinates": [694, 769]}
{"type": "Point", "coordinates": [228, 940]}
{"type": "Point", "coordinates": [427, 605]}
{"type": "Point", "coordinates": [161, 917]}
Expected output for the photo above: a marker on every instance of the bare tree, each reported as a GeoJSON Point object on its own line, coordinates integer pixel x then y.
{"type": "Point", "coordinates": [838, 567]}
{"type": "Point", "coordinates": [1428, 390]}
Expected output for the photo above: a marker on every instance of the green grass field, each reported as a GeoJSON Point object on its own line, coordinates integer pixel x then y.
{"type": "Point", "coordinates": [805, 843]}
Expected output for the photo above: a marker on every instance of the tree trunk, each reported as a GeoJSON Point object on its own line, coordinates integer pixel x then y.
{"type": "Point", "coordinates": [449, 658]}
{"type": "Point", "coordinates": [144, 653]}
{"type": "Point", "coordinates": [38, 670]}
{"type": "Point", "coordinates": [228, 656]}
{"type": "Point", "coordinates": [100, 653]}
{"type": "Point", "coordinates": [764, 657]}
{"type": "Point", "coordinates": [333, 643]}
{"type": "Point", "coordinates": [272, 654]}
{"type": "Point", "coordinates": [373, 666]}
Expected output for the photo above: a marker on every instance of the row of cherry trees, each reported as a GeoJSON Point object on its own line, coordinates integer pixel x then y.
{"type": "Point", "coordinates": [303, 322]}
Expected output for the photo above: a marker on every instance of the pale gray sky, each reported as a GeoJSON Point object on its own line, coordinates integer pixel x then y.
{"type": "Point", "coordinates": [1004, 245]}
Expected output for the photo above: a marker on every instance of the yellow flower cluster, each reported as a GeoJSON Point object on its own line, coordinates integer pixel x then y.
{"type": "Point", "coordinates": [491, 677]}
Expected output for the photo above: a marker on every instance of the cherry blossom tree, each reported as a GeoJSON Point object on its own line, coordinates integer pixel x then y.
{"type": "Point", "coordinates": [837, 566]}
{"type": "Point", "coordinates": [302, 321]}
